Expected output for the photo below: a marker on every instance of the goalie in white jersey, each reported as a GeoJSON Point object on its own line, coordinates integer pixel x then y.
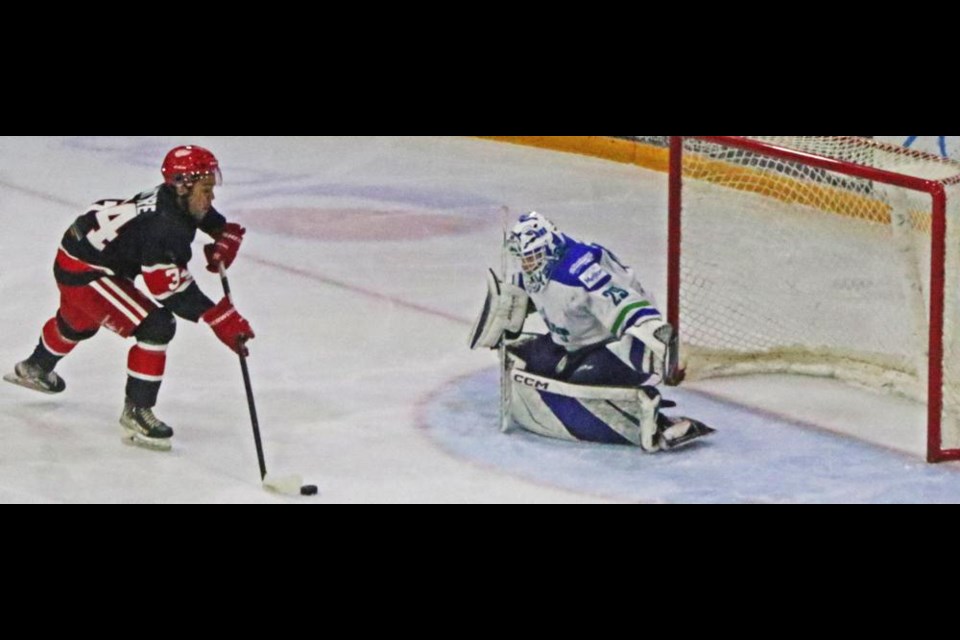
{"type": "Point", "coordinates": [593, 377]}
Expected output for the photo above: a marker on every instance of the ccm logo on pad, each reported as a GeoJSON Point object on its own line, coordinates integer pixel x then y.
{"type": "Point", "coordinates": [530, 382]}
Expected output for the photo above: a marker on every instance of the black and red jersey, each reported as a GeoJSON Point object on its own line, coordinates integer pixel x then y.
{"type": "Point", "coordinates": [149, 234]}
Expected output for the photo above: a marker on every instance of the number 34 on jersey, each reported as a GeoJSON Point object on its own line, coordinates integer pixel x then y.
{"type": "Point", "coordinates": [111, 215]}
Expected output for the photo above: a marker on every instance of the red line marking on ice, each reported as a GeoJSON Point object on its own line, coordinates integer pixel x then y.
{"type": "Point", "coordinates": [366, 292]}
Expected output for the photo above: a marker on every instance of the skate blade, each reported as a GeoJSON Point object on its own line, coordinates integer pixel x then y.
{"type": "Point", "coordinates": [137, 440]}
{"type": "Point", "coordinates": [23, 382]}
{"type": "Point", "coordinates": [684, 432]}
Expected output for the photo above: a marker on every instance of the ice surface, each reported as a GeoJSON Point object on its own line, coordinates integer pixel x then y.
{"type": "Point", "coordinates": [361, 272]}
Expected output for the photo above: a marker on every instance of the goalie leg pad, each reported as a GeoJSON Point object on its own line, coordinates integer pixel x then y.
{"type": "Point", "coordinates": [614, 415]}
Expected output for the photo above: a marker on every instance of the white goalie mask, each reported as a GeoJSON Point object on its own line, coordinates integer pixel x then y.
{"type": "Point", "coordinates": [537, 245]}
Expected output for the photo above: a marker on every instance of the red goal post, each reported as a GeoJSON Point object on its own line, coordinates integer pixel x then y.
{"type": "Point", "coordinates": [834, 256]}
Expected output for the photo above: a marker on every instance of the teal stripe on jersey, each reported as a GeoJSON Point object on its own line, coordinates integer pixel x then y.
{"type": "Point", "coordinates": [623, 315]}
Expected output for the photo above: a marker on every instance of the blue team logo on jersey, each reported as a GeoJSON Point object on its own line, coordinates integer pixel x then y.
{"type": "Point", "coordinates": [593, 276]}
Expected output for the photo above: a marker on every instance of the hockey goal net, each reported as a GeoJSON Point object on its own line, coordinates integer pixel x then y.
{"type": "Point", "coordinates": [832, 256]}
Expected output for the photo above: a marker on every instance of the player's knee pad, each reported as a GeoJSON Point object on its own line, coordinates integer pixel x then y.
{"type": "Point", "coordinates": [617, 415]}
{"type": "Point", "coordinates": [70, 333]}
{"type": "Point", "coordinates": [158, 327]}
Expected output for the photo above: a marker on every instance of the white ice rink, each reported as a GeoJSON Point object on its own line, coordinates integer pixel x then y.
{"type": "Point", "coordinates": [361, 272]}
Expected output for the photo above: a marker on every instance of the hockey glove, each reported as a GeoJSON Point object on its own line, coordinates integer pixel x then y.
{"type": "Point", "coordinates": [504, 312]}
{"type": "Point", "coordinates": [660, 341]}
{"type": "Point", "coordinates": [227, 323]}
{"type": "Point", "coordinates": [225, 248]}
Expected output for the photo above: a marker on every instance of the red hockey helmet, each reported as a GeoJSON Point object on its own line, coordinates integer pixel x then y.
{"type": "Point", "coordinates": [187, 163]}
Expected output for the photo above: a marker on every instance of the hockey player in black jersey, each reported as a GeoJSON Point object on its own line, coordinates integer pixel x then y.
{"type": "Point", "coordinates": [100, 255]}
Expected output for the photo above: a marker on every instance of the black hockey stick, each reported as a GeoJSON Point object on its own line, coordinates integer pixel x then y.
{"type": "Point", "coordinates": [287, 484]}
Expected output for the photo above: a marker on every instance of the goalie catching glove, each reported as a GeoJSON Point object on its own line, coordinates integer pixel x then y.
{"type": "Point", "coordinates": [504, 310]}
{"type": "Point", "coordinates": [660, 341]}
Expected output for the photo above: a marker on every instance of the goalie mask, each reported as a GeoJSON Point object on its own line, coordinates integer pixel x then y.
{"type": "Point", "coordinates": [537, 245]}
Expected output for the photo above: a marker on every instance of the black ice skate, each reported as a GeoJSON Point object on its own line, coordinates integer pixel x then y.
{"type": "Point", "coordinates": [675, 432]}
{"type": "Point", "coordinates": [30, 375]}
{"type": "Point", "coordinates": [143, 429]}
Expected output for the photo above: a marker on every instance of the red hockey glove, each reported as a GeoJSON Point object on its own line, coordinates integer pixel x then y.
{"type": "Point", "coordinates": [225, 248]}
{"type": "Point", "coordinates": [232, 328]}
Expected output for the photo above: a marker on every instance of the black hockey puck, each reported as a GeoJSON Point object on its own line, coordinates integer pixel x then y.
{"type": "Point", "coordinates": [308, 490]}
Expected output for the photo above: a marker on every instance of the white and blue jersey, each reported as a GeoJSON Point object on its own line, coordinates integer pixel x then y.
{"type": "Point", "coordinates": [589, 297]}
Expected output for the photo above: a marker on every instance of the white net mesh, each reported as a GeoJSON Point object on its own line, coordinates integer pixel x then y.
{"type": "Point", "coordinates": [786, 267]}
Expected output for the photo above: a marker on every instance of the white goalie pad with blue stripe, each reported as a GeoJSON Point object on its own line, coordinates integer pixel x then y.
{"type": "Point", "coordinates": [615, 415]}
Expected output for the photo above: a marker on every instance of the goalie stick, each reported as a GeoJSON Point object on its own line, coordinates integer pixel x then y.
{"type": "Point", "coordinates": [502, 347]}
{"type": "Point", "coordinates": [292, 484]}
